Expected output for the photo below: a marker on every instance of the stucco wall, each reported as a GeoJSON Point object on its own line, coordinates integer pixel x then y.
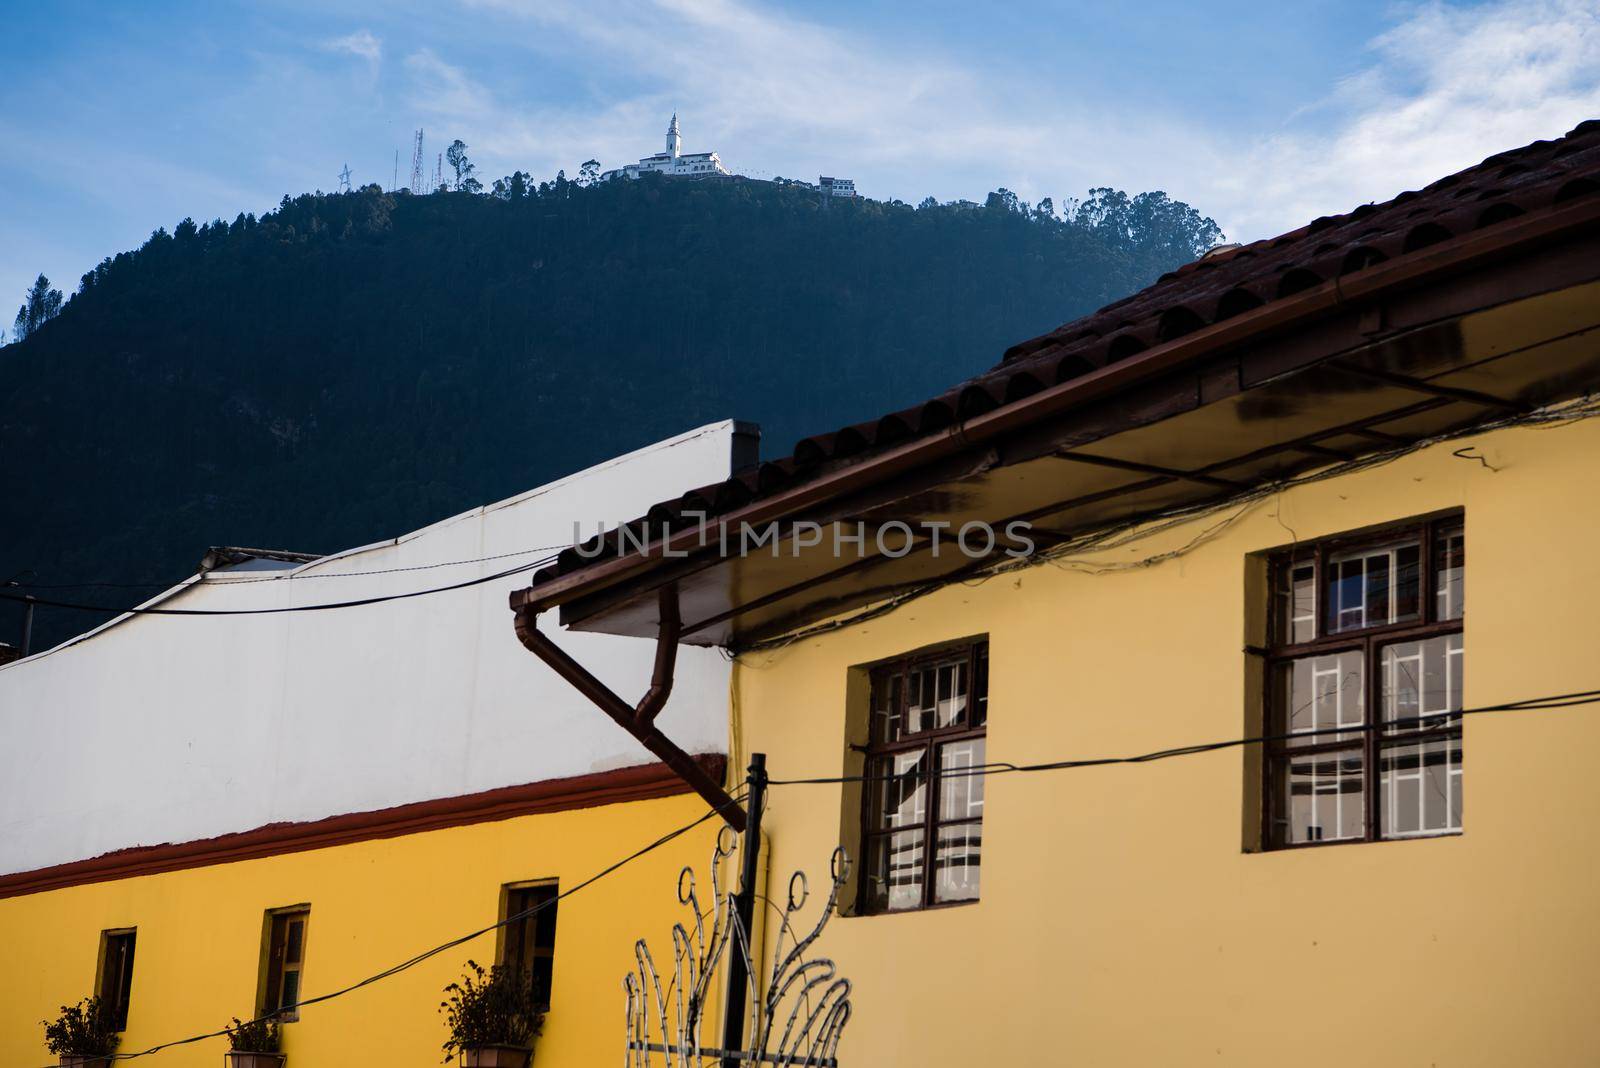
{"type": "Point", "coordinates": [168, 729]}
{"type": "Point", "coordinates": [1121, 920]}
{"type": "Point", "coordinates": [373, 905]}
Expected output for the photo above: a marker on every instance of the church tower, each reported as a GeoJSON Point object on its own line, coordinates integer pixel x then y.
{"type": "Point", "coordinates": [674, 139]}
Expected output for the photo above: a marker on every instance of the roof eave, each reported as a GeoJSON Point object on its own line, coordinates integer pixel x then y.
{"type": "Point", "coordinates": [1512, 237]}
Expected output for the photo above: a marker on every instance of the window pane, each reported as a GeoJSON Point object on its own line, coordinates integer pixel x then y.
{"type": "Point", "coordinates": [956, 864]}
{"type": "Point", "coordinates": [899, 790]}
{"type": "Point", "coordinates": [936, 696]}
{"type": "Point", "coordinates": [291, 990]}
{"type": "Point", "coordinates": [894, 871]}
{"type": "Point", "coordinates": [1321, 798]}
{"type": "Point", "coordinates": [1420, 779]}
{"type": "Point", "coordinates": [1450, 573]}
{"type": "Point", "coordinates": [919, 702]}
{"type": "Point", "coordinates": [1422, 679]}
{"type": "Point", "coordinates": [1374, 586]}
{"type": "Point", "coordinates": [952, 706]}
{"type": "Point", "coordinates": [980, 687]}
{"type": "Point", "coordinates": [1297, 603]}
{"type": "Point", "coordinates": [1316, 695]}
{"type": "Point", "coordinates": [960, 786]}
{"type": "Point", "coordinates": [291, 948]}
{"type": "Point", "coordinates": [886, 704]}
{"type": "Point", "coordinates": [1420, 786]}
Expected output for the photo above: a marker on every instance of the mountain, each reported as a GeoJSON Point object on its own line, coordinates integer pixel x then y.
{"type": "Point", "coordinates": [355, 365]}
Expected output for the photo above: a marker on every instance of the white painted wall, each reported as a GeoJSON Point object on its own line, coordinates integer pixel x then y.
{"type": "Point", "coordinates": [158, 729]}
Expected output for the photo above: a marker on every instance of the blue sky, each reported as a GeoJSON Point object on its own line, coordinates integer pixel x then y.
{"type": "Point", "coordinates": [122, 118]}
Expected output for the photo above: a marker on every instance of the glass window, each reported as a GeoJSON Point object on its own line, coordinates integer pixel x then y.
{"type": "Point", "coordinates": [1373, 586]}
{"type": "Point", "coordinates": [1364, 695]}
{"type": "Point", "coordinates": [529, 940]}
{"type": "Point", "coordinates": [286, 957]}
{"type": "Point", "coordinates": [116, 975]}
{"type": "Point", "coordinates": [924, 780]}
{"type": "Point", "coordinates": [1297, 602]}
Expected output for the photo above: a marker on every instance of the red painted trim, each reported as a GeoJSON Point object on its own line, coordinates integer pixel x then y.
{"type": "Point", "coordinates": [638, 783]}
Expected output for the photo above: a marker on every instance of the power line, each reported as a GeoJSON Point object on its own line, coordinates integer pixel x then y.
{"type": "Point", "coordinates": [427, 954]}
{"type": "Point", "coordinates": [1569, 700]}
{"type": "Point", "coordinates": [1434, 721]}
{"type": "Point", "coordinates": [288, 577]}
{"type": "Point", "coordinates": [328, 606]}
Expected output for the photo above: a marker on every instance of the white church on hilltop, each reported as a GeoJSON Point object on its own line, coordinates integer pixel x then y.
{"type": "Point", "coordinates": [674, 161]}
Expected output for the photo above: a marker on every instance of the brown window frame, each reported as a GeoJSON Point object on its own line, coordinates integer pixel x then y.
{"type": "Point", "coordinates": [513, 934]}
{"type": "Point", "coordinates": [275, 965]}
{"type": "Point", "coordinates": [928, 741]}
{"type": "Point", "coordinates": [114, 973]}
{"type": "Point", "coordinates": [1369, 642]}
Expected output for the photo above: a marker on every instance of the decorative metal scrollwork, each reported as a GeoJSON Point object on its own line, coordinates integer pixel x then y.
{"type": "Point", "coordinates": [795, 1021]}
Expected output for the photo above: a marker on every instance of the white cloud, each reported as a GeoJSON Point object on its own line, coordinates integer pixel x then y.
{"type": "Point", "coordinates": [1446, 86]}
{"type": "Point", "coordinates": [445, 90]}
{"type": "Point", "coordinates": [362, 44]}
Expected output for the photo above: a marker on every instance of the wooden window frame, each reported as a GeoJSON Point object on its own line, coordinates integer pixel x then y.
{"type": "Point", "coordinates": [1369, 642]}
{"type": "Point", "coordinates": [927, 741]}
{"type": "Point", "coordinates": [271, 975]}
{"type": "Point", "coordinates": [108, 999]}
{"type": "Point", "coordinates": [502, 949]}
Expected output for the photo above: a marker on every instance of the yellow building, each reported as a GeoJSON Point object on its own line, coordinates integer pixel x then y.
{"type": "Point", "coordinates": [250, 808]}
{"type": "Point", "coordinates": [1133, 674]}
{"type": "Point", "coordinates": [1220, 526]}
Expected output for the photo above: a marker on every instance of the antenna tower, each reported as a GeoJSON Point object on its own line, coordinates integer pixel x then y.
{"type": "Point", "coordinates": [344, 179]}
{"type": "Point", "coordinates": [416, 165]}
{"type": "Point", "coordinates": [438, 171]}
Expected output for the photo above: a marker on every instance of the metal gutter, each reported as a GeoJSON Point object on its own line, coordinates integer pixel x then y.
{"type": "Point", "coordinates": [638, 720]}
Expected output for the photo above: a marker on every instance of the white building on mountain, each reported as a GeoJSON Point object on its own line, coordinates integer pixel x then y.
{"type": "Point", "coordinates": [674, 161]}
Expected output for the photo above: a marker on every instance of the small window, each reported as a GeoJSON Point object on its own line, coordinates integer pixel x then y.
{"type": "Point", "coordinates": [923, 799]}
{"type": "Point", "coordinates": [115, 985]}
{"type": "Point", "coordinates": [528, 937]}
{"type": "Point", "coordinates": [1364, 675]}
{"type": "Point", "coordinates": [285, 962]}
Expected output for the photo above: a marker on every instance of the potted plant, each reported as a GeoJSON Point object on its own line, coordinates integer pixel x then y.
{"type": "Point", "coordinates": [492, 1016]}
{"type": "Point", "coordinates": [254, 1044]}
{"type": "Point", "coordinates": [83, 1035]}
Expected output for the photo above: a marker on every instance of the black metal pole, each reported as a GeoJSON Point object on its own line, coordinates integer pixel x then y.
{"type": "Point", "coordinates": [744, 903]}
{"type": "Point", "coordinates": [27, 627]}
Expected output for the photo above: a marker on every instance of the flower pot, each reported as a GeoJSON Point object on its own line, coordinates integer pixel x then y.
{"type": "Point", "coordinates": [496, 1056]}
{"type": "Point", "coordinates": [238, 1058]}
{"type": "Point", "coordinates": [84, 1060]}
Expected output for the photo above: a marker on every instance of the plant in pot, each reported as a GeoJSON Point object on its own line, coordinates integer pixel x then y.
{"type": "Point", "coordinates": [254, 1044]}
{"type": "Point", "coordinates": [83, 1035]}
{"type": "Point", "coordinates": [493, 1017]}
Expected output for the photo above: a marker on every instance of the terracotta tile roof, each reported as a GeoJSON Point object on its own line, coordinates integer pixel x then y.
{"type": "Point", "coordinates": [1215, 287]}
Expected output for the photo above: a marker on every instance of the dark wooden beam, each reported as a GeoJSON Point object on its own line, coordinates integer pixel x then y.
{"type": "Point", "coordinates": [1149, 469]}
{"type": "Point", "coordinates": [1417, 385]}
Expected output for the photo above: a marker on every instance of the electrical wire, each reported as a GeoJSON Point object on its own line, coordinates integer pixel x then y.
{"type": "Point", "coordinates": [427, 954]}
{"type": "Point", "coordinates": [1431, 725]}
{"type": "Point", "coordinates": [1141, 527]}
{"type": "Point", "coordinates": [1555, 701]}
{"type": "Point", "coordinates": [229, 580]}
{"type": "Point", "coordinates": [327, 606]}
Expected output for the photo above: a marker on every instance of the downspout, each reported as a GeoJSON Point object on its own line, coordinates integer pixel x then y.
{"type": "Point", "coordinates": [638, 720]}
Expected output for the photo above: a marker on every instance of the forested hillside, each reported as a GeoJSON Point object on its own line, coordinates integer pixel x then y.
{"type": "Point", "coordinates": [351, 366]}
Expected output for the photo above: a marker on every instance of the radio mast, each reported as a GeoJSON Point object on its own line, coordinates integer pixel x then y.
{"type": "Point", "coordinates": [416, 165]}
